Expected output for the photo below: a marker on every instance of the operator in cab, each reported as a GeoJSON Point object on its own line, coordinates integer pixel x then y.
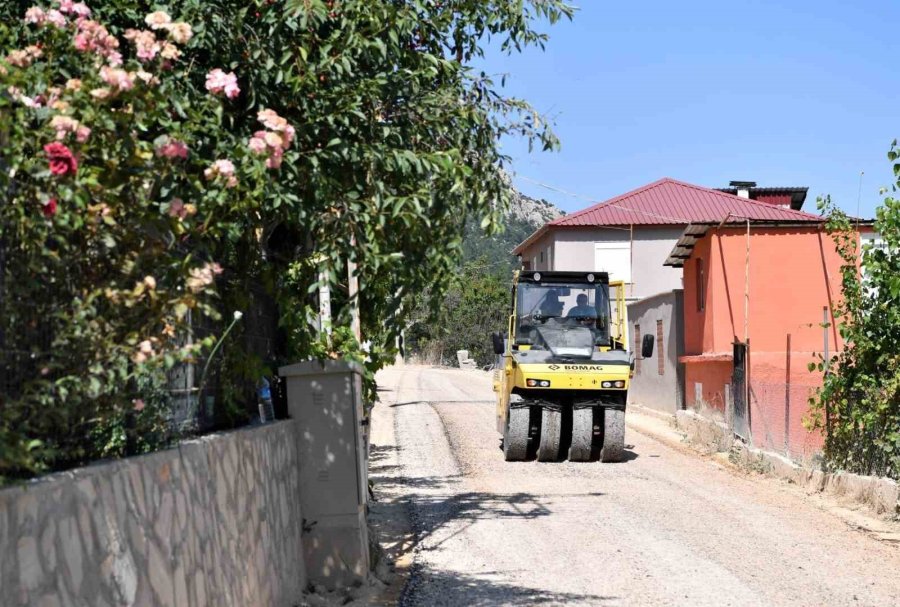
{"type": "Point", "coordinates": [582, 309]}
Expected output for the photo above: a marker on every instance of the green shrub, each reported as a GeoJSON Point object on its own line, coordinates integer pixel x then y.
{"type": "Point", "coordinates": [858, 406]}
{"type": "Point", "coordinates": [116, 185]}
{"type": "Point", "coordinates": [393, 147]}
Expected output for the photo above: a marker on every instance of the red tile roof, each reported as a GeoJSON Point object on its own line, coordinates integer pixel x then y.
{"type": "Point", "coordinates": [668, 201]}
{"type": "Point", "coordinates": [672, 202]}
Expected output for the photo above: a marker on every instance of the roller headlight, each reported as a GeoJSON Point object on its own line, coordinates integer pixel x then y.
{"type": "Point", "coordinates": [545, 384]}
{"type": "Point", "coordinates": [531, 383]}
{"type": "Point", "coordinates": [537, 276]}
{"type": "Point", "coordinates": [620, 384]}
{"type": "Point", "coordinates": [607, 384]}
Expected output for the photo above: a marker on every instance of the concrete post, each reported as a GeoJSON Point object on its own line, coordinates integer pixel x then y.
{"type": "Point", "coordinates": [326, 398]}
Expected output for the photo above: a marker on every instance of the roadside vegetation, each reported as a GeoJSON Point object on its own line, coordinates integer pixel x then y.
{"type": "Point", "coordinates": [858, 406]}
{"type": "Point", "coordinates": [476, 303]}
{"type": "Point", "coordinates": [159, 159]}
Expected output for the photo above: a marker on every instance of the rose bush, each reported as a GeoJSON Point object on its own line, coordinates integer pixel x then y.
{"type": "Point", "coordinates": [117, 187]}
{"type": "Point", "coordinates": [308, 134]}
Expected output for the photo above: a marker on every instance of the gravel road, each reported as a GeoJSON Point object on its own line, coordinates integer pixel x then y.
{"type": "Point", "coordinates": [663, 528]}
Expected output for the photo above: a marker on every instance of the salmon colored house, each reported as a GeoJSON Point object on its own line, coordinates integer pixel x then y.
{"type": "Point", "coordinates": [756, 297]}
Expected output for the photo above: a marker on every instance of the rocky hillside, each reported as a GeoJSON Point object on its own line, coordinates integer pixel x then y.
{"type": "Point", "coordinates": [524, 216]}
{"type": "Point", "coordinates": [533, 211]}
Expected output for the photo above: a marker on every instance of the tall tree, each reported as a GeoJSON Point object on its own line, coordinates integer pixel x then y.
{"type": "Point", "coordinates": [393, 142]}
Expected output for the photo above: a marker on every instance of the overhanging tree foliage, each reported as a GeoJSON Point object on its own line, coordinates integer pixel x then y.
{"type": "Point", "coordinates": [397, 136]}
{"type": "Point", "coordinates": [396, 143]}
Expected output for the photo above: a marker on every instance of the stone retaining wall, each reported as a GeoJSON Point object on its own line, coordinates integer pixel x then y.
{"type": "Point", "coordinates": [882, 495]}
{"type": "Point", "coordinates": [214, 521]}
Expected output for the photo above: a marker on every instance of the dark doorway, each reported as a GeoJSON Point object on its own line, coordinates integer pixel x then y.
{"type": "Point", "coordinates": [741, 411]}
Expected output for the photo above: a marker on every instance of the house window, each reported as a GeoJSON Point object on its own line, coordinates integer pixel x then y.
{"type": "Point", "coordinates": [542, 257]}
{"type": "Point", "coordinates": [613, 258]}
{"type": "Point", "coordinates": [701, 286]}
{"type": "Point", "coordinates": [660, 359]}
{"type": "Point", "coordinates": [637, 348]}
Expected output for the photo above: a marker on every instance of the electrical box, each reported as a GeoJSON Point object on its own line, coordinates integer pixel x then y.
{"type": "Point", "coordinates": [326, 399]}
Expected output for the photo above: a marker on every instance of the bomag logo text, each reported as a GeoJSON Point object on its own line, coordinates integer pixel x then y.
{"type": "Point", "coordinates": [581, 368]}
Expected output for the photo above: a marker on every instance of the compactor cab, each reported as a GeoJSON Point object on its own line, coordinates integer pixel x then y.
{"type": "Point", "coordinates": [562, 371]}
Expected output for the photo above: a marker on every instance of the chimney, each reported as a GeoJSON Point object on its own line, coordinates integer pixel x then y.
{"type": "Point", "coordinates": [742, 187]}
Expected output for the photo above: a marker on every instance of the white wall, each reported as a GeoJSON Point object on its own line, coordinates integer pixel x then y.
{"type": "Point", "coordinates": [545, 245]}
{"type": "Point", "coordinates": [574, 249]}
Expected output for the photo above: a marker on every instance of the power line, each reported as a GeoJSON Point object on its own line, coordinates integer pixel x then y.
{"type": "Point", "coordinates": [610, 204]}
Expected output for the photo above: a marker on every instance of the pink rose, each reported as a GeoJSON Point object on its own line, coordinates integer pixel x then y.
{"type": "Point", "coordinates": [56, 18]}
{"type": "Point", "coordinates": [49, 208]}
{"type": "Point", "coordinates": [117, 78]}
{"type": "Point", "coordinates": [271, 120]}
{"type": "Point", "coordinates": [180, 33]}
{"type": "Point", "coordinates": [32, 102]}
{"type": "Point", "coordinates": [63, 125]}
{"type": "Point", "coordinates": [24, 57]}
{"type": "Point", "coordinates": [35, 15]}
{"type": "Point", "coordinates": [144, 351]}
{"type": "Point", "coordinates": [147, 78]}
{"type": "Point", "coordinates": [275, 158]}
{"type": "Point", "coordinates": [169, 51]}
{"type": "Point", "coordinates": [82, 134]}
{"type": "Point", "coordinates": [145, 43]}
{"type": "Point", "coordinates": [289, 133]}
{"type": "Point", "coordinates": [222, 168]}
{"type": "Point", "coordinates": [202, 277]}
{"type": "Point", "coordinates": [158, 20]}
{"type": "Point", "coordinates": [257, 144]}
{"type": "Point", "coordinates": [176, 208]}
{"type": "Point", "coordinates": [274, 141]}
{"type": "Point", "coordinates": [81, 43]}
{"type": "Point", "coordinates": [218, 82]}
{"type": "Point", "coordinates": [173, 149]}
{"type": "Point", "coordinates": [81, 10]}
{"type": "Point", "coordinates": [114, 58]}
{"type": "Point", "coordinates": [92, 37]}
{"type": "Point", "coordinates": [62, 161]}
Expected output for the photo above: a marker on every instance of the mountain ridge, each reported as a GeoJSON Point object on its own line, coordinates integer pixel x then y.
{"type": "Point", "coordinates": [522, 217]}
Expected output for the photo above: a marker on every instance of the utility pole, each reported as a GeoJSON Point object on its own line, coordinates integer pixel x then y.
{"type": "Point", "coordinates": [353, 294]}
{"type": "Point", "coordinates": [324, 302]}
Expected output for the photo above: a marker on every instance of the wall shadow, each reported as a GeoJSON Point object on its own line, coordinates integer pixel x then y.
{"type": "Point", "coordinates": [429, 587]}
{"type": "Point", "coordinates": [411, 509]}
{"type": "Point", "coordinates": [443, 402]}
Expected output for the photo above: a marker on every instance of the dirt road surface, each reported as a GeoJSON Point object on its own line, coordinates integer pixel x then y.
{"type": "Point", "coordinates": [663, 528]}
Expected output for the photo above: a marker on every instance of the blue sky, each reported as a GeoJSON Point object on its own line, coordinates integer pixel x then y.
{"type": "Point", "coordinates": [789, 93]}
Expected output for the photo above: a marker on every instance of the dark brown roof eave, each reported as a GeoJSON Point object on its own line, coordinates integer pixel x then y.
{"type": "Point", "coordinates": [693, 233]}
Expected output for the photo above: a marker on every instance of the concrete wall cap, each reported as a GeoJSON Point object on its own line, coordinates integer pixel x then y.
{"type": "Point", "coordinates": [671, 293]}
{"type": "Point", "coordinates": [325, 367]}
